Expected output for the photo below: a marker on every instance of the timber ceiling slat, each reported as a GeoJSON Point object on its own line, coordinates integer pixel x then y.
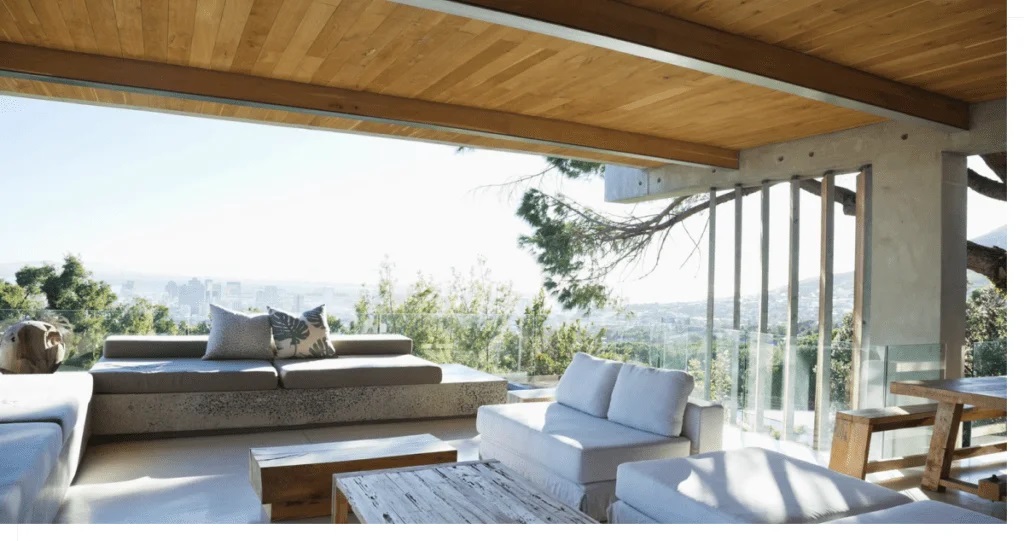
{"type": "Point", "coordinates": [952, 47]}
{"type": "Point", "coordinates": [132, 100]}
{"type": "Point", "coordinates": [281, 33]}
{"type": "Point", "coordinates": [204, 32]}
{"type": "Point", "coordinates": [129, 28]}
{"type": "Point", "coordinates": [103, 21]}
{"type": "Point", "coordinates": [181, 21]}
{"type": "Point", "coordinates": [861, 33]}
{"type": "Point", "coordinates": [154, 29]}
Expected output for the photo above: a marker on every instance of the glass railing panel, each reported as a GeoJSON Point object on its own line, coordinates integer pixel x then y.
{"type": "Point", "coordinates": [905, 363]}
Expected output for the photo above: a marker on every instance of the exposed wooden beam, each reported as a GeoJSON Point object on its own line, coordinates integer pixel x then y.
{"type": "Point", "coordinates": [655, 36]}
{"type": "Point", "coordinates": [23, 61]}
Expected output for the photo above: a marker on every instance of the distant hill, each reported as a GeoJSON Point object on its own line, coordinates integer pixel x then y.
{"type": "Point", "coordinates": [996, 237]}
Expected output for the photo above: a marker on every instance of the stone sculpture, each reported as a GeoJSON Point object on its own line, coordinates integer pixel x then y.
{"type": "Point", "coordinates": [31, 347]}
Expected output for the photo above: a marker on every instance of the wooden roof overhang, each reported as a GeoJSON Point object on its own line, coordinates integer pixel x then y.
{"type": "Point", "coordinates": [634, 82]}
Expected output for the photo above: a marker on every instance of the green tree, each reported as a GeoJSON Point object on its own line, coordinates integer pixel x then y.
{"type": "Point", "coordinates": [139, 317]}
{"type": "Point", "coordinates": [478, 311]}
{"type": "Point", "coordinates": [986, 333]}
{"type": "Point", "coordinates": [16, 299]}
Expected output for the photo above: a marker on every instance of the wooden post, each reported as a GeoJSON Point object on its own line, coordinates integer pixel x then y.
{"type": "Point", "coordinates": [861, 283]}
{"type": "Point", "coordinates": [822, 389]}
{"type": "Point", "coordinates": [793, 307]}
{"type": "Point", "coordinates": [763, 360]}
{"type": "Point", "coordinates": [710, 325]}
{"type": "Point", "coordinates": [734, 365]}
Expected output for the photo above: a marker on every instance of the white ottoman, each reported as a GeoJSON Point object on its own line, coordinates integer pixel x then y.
{"type": "Point", "coordinates": [743, 486]}
{"type": "Point", "coordinates": [923, 512]}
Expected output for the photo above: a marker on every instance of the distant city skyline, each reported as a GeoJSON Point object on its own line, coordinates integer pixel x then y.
{"type": "Point", "coordinates": [136, 194]}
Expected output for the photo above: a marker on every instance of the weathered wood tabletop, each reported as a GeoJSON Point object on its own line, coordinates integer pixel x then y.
{"type": "Point", "coordinates": [482, 492]}
{"type": "Point", "coordinates": [987, 392]}
{"type": "Point", "coordinates": [952, 395]}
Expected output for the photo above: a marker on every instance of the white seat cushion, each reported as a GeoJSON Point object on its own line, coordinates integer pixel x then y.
{"type": "Point", "coordinates": [59, 398]}
{"type": "Point", "coordinates": [746, 486]}
{"type": "Point", "coordinates": [570, 443]}
{"type": "Point", "coordinates": [587, 384]}
{"type": "Point", "coordinates": [924, 512]}
{"type": "Point", "coordinates": [650, 399]}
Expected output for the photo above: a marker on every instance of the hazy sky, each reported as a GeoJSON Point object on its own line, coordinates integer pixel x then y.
{"type": "Point", "coordinates": [174, 195]}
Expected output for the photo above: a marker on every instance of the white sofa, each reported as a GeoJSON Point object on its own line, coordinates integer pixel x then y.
{"type": "Point", "coordinates": [44, 427]}
{"type": "Point", "coordinates": [605, 414]}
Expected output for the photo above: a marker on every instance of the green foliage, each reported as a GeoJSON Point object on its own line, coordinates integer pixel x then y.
{"type": "Point", "coordinates": [16, 298]}
{"type": "Point", "coordinates": [139, 317]}
{"type": "Point", "coordinates": [986, 333]}
{"type": "Point", "coordinates": [575, 169]}
{"type": "Point", "coordinates": [563, 251]}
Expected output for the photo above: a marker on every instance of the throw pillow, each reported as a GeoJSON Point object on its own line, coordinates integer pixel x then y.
{"type": "Point", "coordinates": [587, 384]}
{"type": "Point", "coordinates": [304, 337]}
{"type": "Point", "coordinates": [234, 335]}
{"type": "Point", "coordinates": [651, 399]}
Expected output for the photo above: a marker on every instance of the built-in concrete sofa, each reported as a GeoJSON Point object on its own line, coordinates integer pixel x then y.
{"type": "Point", "coordinates": [44, 427]}
{"type": "Point", "coordinates": [161, 384]}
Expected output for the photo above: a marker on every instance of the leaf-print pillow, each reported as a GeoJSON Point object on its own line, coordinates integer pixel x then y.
{"type": "Point", "coordinates": [303, 337]}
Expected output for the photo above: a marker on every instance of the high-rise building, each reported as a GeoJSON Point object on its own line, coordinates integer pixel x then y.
{"type": "Point", "coordinates": [193, 295]}
{"type": "Point", "coordinates": [128, 289]}
{"type": "Point", "coordinates": [172, 290]}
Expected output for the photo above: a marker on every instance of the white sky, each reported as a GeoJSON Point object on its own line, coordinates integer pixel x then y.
{"type": "Point", "coordinates": [174, 195]}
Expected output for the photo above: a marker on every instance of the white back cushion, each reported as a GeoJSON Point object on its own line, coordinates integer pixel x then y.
{"type": "Point", "coordinates": [587, 384]}
{"type": "Point", "coordinates": [650, 399]}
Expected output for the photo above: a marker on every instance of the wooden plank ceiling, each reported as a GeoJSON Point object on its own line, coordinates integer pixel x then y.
{"type": "Point", "coordinates": [956, 48]}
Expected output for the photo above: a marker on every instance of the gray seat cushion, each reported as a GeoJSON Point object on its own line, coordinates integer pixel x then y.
{"type": "Point", "coordinates": [570, 443]}
{"type": "Point", "coordinates": [56, 398]}
{"type": "Point", "coordinates": [923, 512]}
{"type": "Point", "coordinates": [356, 371]}
{"type": "Point", "coordinates": [154, 347]}
{"type": "Point", "coordinates": [28, 454]}
{"type": "Point", "coordinates": [371, 344]}
{"type": "Point", "coordinates": [746, 486]}
{"type": "Point", "coordinates": [127, 376]}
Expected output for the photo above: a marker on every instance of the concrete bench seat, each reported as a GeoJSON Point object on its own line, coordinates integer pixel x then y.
{"type": "Point", "coordinates": [742, 486]}
{"type": "Point", "coordinates": [356, 371]}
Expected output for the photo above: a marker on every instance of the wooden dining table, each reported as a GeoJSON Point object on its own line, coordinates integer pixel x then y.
{"type": "Point", "coordinates": [951, 396]}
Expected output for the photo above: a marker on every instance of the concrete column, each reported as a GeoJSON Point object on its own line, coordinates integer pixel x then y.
{"type": "Point", "coordinates": [917, 265]}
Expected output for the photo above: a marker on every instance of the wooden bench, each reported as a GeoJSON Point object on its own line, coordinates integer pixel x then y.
{"type": "Point", "coordinates": [851, 439]}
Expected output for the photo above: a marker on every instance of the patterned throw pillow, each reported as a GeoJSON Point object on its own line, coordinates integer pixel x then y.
{"type": "Point", "coordinates": [304, 337]}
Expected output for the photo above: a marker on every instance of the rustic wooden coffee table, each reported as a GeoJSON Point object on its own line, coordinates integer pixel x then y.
{"type": "Point", "coordinates": [482, 492]}
{"type": "Point", "coordinates": [296, 479]}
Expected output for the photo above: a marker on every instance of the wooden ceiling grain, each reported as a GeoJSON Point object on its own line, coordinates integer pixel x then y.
{"type": "Point", "coordinates": [954, 48]}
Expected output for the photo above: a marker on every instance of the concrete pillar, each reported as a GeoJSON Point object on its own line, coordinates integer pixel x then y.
{"type": "Point", "coordinates": [917, 264]}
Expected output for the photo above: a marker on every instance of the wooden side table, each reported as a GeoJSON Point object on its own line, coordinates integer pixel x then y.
{"type": "Point", "coordinates": [296, 479]}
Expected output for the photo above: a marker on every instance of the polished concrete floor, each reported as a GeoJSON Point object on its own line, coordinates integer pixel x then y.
{"type": "Point", "coordinates": [206, 479]}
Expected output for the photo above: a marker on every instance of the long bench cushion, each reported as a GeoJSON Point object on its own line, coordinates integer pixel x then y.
{"type": "Point", "coordinates": [194, 347]}
{"type": "Point", "coordinates": [746, 486]}
{"type": "Point", "coordinates": [371, 344]}
{"type": "Point", "coordinates": [57, 398]}
{"type": "Point", "coordinates": [28, 454]}
{"type": "Point", "coordinates": [570, 443]}
{"type": "Point", "coordinates": [155, 347]}
{"type": "Point", "coordinates": [923, 512]}
{"type": "Point", "coordinates": [129, 376]}
{"type": "Point", "coordinates": [356, 371]}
